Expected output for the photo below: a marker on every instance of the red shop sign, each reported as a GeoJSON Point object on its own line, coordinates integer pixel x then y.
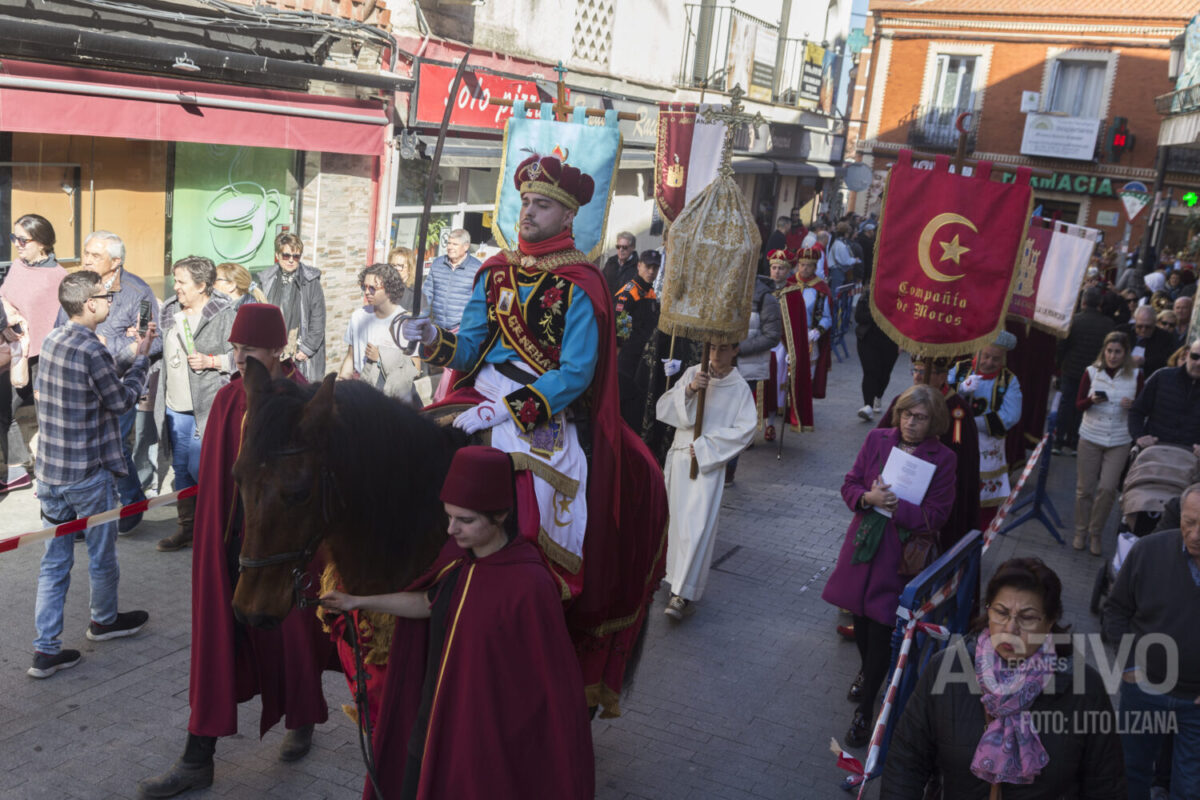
{"type": "Point", "coordinates": [471, 108]}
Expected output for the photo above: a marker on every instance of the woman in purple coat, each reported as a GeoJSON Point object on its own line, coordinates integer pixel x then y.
{"type": "Point", "coordinates": [867, 579]}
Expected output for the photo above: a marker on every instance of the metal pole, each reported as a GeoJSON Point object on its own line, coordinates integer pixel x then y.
{"type": "Point", "coordinates": [1160, 178]}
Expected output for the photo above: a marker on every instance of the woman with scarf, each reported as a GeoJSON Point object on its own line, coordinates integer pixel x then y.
{"type": "Point", "coordinates": [889, 540]}
{"type": "Point", "coordinates": [1007, 713]}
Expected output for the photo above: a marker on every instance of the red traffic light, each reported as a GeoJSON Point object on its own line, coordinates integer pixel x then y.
{"type": "Point", "coordinates": [1118, 139]}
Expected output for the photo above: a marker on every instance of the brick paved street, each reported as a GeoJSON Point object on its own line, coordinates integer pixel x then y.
{"type": "Point", "coordinates": [737, 702]}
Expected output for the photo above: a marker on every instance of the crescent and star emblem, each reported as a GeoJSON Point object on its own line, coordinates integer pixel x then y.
{"type": "Point", "coordinates": [951, 250]}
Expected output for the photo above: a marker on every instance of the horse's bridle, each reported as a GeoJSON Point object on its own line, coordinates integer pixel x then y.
{"type": "Point", "coordinates": [301, 579]}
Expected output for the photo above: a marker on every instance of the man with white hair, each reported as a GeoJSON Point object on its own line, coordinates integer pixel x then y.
{"type": "Point", "coordinates": [447, 287]}
{"type": "Point", "coordinates": [104, 254]}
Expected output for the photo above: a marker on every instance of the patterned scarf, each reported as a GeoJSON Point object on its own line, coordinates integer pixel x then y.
{"type": "Point", "coordinates": [1009, 750]}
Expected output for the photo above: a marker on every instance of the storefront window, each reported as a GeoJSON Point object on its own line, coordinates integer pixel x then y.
{"type": "Point", "coordinates": [463, 197]}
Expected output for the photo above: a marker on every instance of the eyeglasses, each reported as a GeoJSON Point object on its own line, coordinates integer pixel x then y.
{"type": "Point", "coordinates": [624, 247]}
{"type": "Point", "coordinates": [106, 296]}
{"type": "Point", "coordinates": [19, 241]}
{"type": "Point", "coordinates": [1143, 326]}
{"type": "Point", "coordinates": [289, 256]}
{"type": "Point", "coordinates": [998, 615]}
{"type": "Point", "coordinates": [906, 414]}
{"type": "Point", "coordinates": [370, 289]}
{"type": "Point", "coordinates": [1193, 356]}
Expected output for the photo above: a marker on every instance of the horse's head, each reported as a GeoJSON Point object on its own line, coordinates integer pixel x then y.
{"type": "Point", "coordinates": [287, 489]}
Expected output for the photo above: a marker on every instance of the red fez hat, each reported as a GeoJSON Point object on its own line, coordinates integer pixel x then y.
{"type": "Point", "coordinates": [556, 179]}
{"type": "Point", "coordinates": [780, 256]}
{"type": "Point", "coordinates": [480, 478]}
{"type": "Point", "coordinates": [259, 325]}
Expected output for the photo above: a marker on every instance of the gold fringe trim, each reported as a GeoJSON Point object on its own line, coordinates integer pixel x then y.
{"type": "Point", "coordinates": [560, 482]}
{"type": "Point", "coordinates": [621, 623]}
{"type": "Point", "coordinates": [599, 694]}
{"type": "Point", "coordinates": [559, 554]}
{"type": "Point", "coordinates": [351, 712]}
{"type": "Point", "coordinates": [373, 626]}
{"type": "Point", "coordinates": [689, 327]}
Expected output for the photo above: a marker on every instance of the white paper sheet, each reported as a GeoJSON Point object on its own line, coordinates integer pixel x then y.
{"type": "Point", "coordinates": [908, 476]}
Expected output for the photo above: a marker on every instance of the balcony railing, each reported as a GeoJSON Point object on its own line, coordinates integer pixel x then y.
{"type": "Point", "coordinates": [706, 60]}
{"type": "Point", "coordinates": [1180, 102]}
{"type": "Point", "coordinates": [932, 128]}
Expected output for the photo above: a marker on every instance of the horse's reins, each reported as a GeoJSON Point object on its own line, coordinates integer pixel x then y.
{"type": "Point", "coordinates": [301, 584]}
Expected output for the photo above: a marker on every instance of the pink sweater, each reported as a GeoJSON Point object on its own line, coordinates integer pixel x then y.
{"type": "Point", "coordinates": [33, 291]}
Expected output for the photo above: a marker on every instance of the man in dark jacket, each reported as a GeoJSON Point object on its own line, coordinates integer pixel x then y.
{"type": "Point", "coordinates": [620, 269]}
{"type": "Point", "coordinates": [1075, 354]}
{"type": "Point", "coordinates": [296, 289]}
{"type": "Point", "coordinates": [1168, 409]}
{"type": "Point", "coordinates": [636, 310]}
{"type": "Point", "coordinates": [1152, 346]}
{"type": "Point", "coordinates": [1159, 584]}
{"type": "Point", "coordinates": [866, 240]}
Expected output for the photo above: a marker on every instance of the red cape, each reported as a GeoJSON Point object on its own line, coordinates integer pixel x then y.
{"type": "Point", "coordinates": [231, 663]}
{"type": "Point", "coordinates": [795, 338]}
{"type": "Point", "coordinates": [824, 350]}
{"type": "Point", "coordinates": [624, 549]}
{"type": "Point", "coordinates": [508, 721]}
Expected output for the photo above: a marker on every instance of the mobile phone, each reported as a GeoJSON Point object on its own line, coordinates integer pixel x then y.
{"type": "Point", "coordinates": [143, 317]}
{"type": "Point", "coordinates": [17, 328]}
{"type": "Point", "coordinates": [1101, 395]}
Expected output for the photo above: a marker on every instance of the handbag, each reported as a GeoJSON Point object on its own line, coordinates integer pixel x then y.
{"type": "Point", "coordinates": [917, 552]}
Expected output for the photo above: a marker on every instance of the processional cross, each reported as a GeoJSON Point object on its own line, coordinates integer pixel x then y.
{"type": "Point", "coordinates": [562, 109]}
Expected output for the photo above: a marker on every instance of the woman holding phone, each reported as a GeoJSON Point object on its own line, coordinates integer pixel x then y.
{"type": "Point", "coordinates": [1106, 392]}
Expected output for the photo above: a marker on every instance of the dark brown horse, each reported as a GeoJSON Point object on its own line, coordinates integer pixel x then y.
{"type": "Point", "coordinates": [338, 466]}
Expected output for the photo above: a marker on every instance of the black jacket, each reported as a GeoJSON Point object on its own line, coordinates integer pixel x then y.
{"type": "Point", "coordinates": [617, 274]}
{"type": "Point", "coordinates": [938, 734]}
{"type": "Point", "coordinates": [1084, 343]}
{"type": "Point", "coordinates": [1159, 347]}
{"type": "Point", "coordinates": [1168, 408]}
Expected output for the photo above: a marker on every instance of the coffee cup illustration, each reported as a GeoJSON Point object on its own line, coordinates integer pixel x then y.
{"type": "Point", "coordinates": [239, 216]}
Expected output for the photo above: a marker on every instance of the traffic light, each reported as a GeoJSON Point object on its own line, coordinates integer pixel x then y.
{"type": "Point", "coordinates": [1119, 139]}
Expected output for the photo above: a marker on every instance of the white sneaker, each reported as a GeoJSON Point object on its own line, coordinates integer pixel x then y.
{"type": "Point", "coordinates": [866, 414]}
{"type": "Point", "coordinates": [878, 405]}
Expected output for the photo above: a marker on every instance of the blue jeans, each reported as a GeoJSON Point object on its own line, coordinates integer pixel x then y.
{"type": "Point", "coordinates": [129, 488]}
{"type": "Point", "coordinates": [181, 427]}
{"type": "Point", "coordinates": [61, 503]}
{"type": "Point", "coordinates": [1142, 748]}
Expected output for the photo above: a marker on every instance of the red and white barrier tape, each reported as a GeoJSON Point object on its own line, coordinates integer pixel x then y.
{"type": "Point", "coordinates": [74, 526]}
{"type": "Point", "coordinates": [849, 762]}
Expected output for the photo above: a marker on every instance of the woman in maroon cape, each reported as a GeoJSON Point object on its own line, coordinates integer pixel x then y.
{"type": "Point", "coordinates": [489, 702]}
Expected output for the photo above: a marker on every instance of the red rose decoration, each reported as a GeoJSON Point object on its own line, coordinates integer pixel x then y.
{"type": "Point", "coordinates": [529, 411]}
{"type": "Point", "coordinates": [551, 297]}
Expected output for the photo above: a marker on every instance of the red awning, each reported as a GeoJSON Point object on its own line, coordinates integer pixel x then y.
{"type": "Point", "coordinates": [51, 98]}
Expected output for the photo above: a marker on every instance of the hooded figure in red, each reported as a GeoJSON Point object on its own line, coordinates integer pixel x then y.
{"type": "Point", "coordinates": [231, 662]}
{"type": "Point", "coordinates": [539, 326]}
{"type": "Point", "coordinates": [484, 694]}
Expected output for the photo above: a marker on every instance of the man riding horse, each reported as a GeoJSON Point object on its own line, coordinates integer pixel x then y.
{"type": "Point", "coordinates": [230, 661]}
{"type": "Point", "coordinates": [537, 349]}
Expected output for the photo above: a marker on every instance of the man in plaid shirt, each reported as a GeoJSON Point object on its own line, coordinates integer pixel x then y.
{"type": "Point", "coordinates": [80, 400]}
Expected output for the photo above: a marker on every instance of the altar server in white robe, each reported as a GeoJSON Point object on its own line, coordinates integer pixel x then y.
{"type": "Point", "coordinates": [728, 428]}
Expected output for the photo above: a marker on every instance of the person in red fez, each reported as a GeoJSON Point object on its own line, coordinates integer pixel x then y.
{"type": "Point", "coordinates": [491, 699]}
{"type": "Point", "coordinates": [806, 305]}
{"type": "Point", "coordinates": [537, 353]}
{"type": "Point", "coordinates": [231, 662]}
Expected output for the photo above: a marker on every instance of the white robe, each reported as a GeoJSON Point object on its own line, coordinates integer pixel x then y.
{"type": "Point", "coordinates": [729, 424]}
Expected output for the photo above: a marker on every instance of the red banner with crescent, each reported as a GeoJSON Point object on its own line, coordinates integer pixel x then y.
{"type": "Point", "coordinates": [946, 260]}
{"type": "Point", "coordinates": [676, 127]}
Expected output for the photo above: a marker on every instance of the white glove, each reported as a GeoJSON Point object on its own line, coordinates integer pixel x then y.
{"type": "Point", "coordinates": [813, 335]}
{"type": "Point", "coordinates": [419, 330]}
{"type": "Point", "coordinates": [671, 366]}
{"type": "Point", "coordinates": [969, 385]}
{"type": "Point", "coordinates": [788, 358]}
{"type": "Point", "coordinates": [482, 416]}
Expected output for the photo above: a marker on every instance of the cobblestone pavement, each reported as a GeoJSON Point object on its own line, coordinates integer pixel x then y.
{"type": "Point", "coordinates": [739, 701]}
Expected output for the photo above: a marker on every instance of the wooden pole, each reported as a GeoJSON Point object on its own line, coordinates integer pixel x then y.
{"type": "Point", "coordinates": [699, 427]}
{"type": "Point", "coordinates": [568, 109]}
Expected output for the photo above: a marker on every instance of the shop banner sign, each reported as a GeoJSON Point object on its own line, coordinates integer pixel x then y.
{"type": "Point", "coordinates": [810, 75]}
{"type": "Point", "coordinates": [229, 202]}
{"type": "Point", "coordinates": [947, 255]}
{"type": "Point", "coordinates": [1029, 271]}
{"type": "Point", "coordinates": [591, 149]}
{"type": "Point", "coordinates": [1064, 267]}
{"type": "Point", "coordinates": [1135, 197]}
{"type": "Point", "coordinates": [686, 156]}
{"type": "Point", "coordinates": [471, 107]}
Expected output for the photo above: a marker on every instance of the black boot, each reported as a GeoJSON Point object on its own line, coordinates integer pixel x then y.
{"type": "Point", "coordinates": [193, 770]}
{"type": "Point", "coordinates": [860, 730]}
{"type": "Point", "coordinates": [296, 743]}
